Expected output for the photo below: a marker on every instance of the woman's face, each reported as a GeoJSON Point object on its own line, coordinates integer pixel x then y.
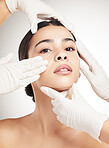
{"type": "Point", "coordinates": [57, 41]}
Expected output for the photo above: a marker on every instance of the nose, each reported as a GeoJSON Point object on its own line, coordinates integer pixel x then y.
{"type": "Point", "coordinates": [61, 57]}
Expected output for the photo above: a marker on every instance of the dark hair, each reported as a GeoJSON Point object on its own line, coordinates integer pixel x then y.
{"type": "Point", "coordinates": [24, 46]}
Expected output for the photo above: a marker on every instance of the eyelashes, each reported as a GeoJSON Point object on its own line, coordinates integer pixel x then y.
{"type": "Point", "coordinates": [44, 50]}
{"type": "Point", "coordinates": [70, 48]}
{"type": "Point", "coordinates": [67, 49]}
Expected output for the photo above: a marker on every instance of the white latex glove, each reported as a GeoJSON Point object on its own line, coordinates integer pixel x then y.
{"type": "Point", "coordinates": [15, 75]}
{"type": "Point", "coordinates": [95, 74]}
{"type": "Point", "coordinates": [36, 9]}
{"type": "Point", "coordinates": [76, 113]}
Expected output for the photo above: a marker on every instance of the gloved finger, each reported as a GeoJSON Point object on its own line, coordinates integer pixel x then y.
{"type": "Point", "coordinates": [59, 118]}
{"type": "Point", "coordinates": [86, 55]}
{"type": "Point", "coordinates": [54, 102]}
{"type": "Point", "coordinates": [64, 93]}
{"type": "Point", "coordinates": [66, 23]}
{"type": "Point", "coordinates": [31, 65]}
{"type": "Point", "coordinates": [76, 93]}
{"type": "Point", "coordinates": [58, 103]}
{"type": "Point", "coordinates": [41, 69]}
{"type": "Point", "coordinates": [34, 26]}
{"type": "Point", "coordinates": [29, 80]}
{"type": "Point", "coordinates": [51, 92]}
{"type": "Point", "coordinates": [42, 63]}
{"type": "Point", "coordinates": [46, 10]}
{"type": "Point", "coordinates": [32, 60]}
{"type": "Point", "coordinates": [88, 58]}
{"type": "Point", "coordinates": [37, 65]}
{"type": "Point", "coordinates": [28, 64]}
{"type": "Point", "coordinates": [95, 68]}
{"type": "Point", "coordinates": [89, 75]}
{"type": "Point", "coordinates": [33, 72]}
{"type": "Point", "coordinates": [57, 109]}
{"type": "Point", "coordinates": [62, 101]}
{"type": "Point", "coordinates": [62, 119]}
{"type": "Point", "coordinates": [81, 57]}
{"type": "Point", "coordinates": [6, 59]}
{"type": "Point", "coordinates": [48, 13]}
{"type": "Point", "coordinates": [43, 9]}
{"type": "Point", "coordinates": [60, 18]}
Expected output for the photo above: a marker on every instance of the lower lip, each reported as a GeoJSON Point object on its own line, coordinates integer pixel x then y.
{"type": "Point", "coordinates": [63, 72]}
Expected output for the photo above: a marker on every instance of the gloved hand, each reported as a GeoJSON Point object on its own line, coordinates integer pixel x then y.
{"type": "Point", "coordinates": [35, 9]}
{"type": "Point", "coordinates": [22, 73]}
{"type": "Point", "coordinates": [76, 113]}
{"type": "Point", "coordinates": [95, 74]}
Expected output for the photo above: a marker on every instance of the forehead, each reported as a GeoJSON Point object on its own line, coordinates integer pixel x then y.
{"type": "Point", "coordinates": [51, 32]}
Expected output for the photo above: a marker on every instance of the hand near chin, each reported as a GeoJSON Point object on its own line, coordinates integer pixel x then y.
{"type": "Point", "coordinates": [75, 113]}
{"type": "Point", "coordinates": [67, 93]}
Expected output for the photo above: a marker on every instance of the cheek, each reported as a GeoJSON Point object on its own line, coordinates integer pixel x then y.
{"type": "Point", "coordinates": [46, 77]}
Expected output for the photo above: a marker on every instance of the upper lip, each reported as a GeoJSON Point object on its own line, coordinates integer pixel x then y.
{"type": "Point", "coordinates": [62, 67]}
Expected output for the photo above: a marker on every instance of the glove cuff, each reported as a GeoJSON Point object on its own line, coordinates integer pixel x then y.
{"type": "Point", "coordinates": [12, 5]}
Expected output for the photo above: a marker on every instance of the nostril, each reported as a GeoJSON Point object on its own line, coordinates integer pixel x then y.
{"type": "Point", "coordinates": [59, 58]}
{"type": "Point", "coordinates": [65, 57]}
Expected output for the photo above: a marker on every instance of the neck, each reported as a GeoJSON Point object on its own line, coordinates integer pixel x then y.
{"type": "Point", "coordinates": [43, 111]}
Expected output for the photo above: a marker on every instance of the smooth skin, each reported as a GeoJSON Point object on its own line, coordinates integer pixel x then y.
{"type": "Point", "coordinates": [11, 130]}
{"type": "Point", "coordinates": [41, 128]}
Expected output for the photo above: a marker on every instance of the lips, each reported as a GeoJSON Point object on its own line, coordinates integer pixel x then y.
{"type": "Point", "coordinates": [63, 67]}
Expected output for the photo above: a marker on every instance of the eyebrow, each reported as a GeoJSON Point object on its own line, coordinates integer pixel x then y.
{"type": "Point", "coordinates": [49, 40]}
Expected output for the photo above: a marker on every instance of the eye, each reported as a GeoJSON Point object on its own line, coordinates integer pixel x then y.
{"type": "Point", "coordinates": [70, 49]}
{"type": "Point", "coordinates": [44, 50]}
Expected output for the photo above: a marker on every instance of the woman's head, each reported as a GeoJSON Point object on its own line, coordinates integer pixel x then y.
{"type": "Point", "coordinates": [56, 44]}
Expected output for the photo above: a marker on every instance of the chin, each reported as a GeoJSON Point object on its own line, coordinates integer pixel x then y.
{"type": "Point", "coordinates": [59, 83]}
{"type": "Point", "coordinates": [62, 89]}
{"type": "Point", "coordinates": [59, 86]}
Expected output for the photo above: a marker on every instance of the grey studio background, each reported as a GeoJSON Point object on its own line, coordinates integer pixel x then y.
{"type": "Point", "coordinates": [91, 19]}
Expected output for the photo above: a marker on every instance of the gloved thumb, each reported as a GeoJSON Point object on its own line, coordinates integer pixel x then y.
{"type": "Point", "coordinates": [6, 59]}
{"type": "Point", "coordinates": [51, 92]}
{"type": "Point", "coordinates": [89, 75]}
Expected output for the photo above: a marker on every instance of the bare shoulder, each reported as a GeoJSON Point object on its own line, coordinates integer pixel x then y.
{"type": "Point", "coordinates": [7, 131]}
{"type": "Point", "coordinates": [91, 142]}
{"type": "Point", "coordinates": [11, 129]}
